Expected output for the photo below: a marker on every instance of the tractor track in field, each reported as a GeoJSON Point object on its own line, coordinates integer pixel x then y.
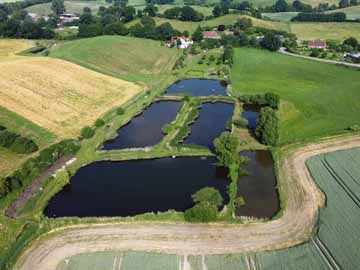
{"type": "Point", "coordinates": [296, 225]}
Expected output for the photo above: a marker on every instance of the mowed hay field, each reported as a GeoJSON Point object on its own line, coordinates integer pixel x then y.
{"type": "Point", "coordinates": [59, 96]}
{"type": "Point", "coordinates": [318, 99]}
{"type": "Point", "coordinates": [132, 59]}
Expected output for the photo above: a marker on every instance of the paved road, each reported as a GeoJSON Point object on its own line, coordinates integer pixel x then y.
{"type": "Point", "coordinates": [282, 50]}
{"type": "Point", "coordinates": [295, 226]}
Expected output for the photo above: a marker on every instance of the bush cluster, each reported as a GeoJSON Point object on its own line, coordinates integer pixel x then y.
{"type": "Point", "coordinates": [16, 142]}
{"type": "Point", "coordinates": [267, 99]}
{"type": "Point", "coordinates": [87, 132]}
{"type": "Point", "coordinates": [267, 129]}
{"type": "Point", "coordinates": [33, 167]}
{"type": "Point", "coordinates": [207, 202]}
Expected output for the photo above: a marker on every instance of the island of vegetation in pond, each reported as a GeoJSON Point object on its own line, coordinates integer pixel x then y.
{"type": "Point", "coordinates": [198, 87]}
{"type": "Point", "coordinates": [258, 186]}
{"type": "Point", "coordinates": [145, 129]}
{"type": "Point", "coordinates": [129, 188]}
{"type": "Point", "coordinates": [211, 123]}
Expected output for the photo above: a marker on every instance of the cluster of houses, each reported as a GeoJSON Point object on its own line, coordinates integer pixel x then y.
{"type": "Point", "coordinates": [183, 42]}
{"type": "Point", "coordinates": [64, 18]}
{"type": "Point", "coordinates": [321, 44]}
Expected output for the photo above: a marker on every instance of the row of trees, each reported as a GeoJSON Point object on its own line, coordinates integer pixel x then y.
{"type": "Point", "coordinates": [145, 29]}
{"type": "Point", "coordinates": [33, 167]}
{"type": "Point", "coordinates": [297, 5]}
{"type": "Point", "coordinates": [185, 13]}
{"type": "Point", "coordinates": [16, 142]}
{"type": "Point", "coordinates": [320, 17]}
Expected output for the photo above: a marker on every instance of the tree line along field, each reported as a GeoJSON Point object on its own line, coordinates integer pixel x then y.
{"type": "Point", "coordinates": [132, 59]}
{"type": "Point", "coordinates": [334, 247]}
{"type": "Point", "coordinates": [317, 99]}
{"type": "Point", "coordinates": [352, 13]}
{"type": "Point", "coordinates": [304, 31]}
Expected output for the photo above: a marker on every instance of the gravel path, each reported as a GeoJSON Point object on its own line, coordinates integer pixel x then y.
{"type": "Point", "coordinates": [293, 227]}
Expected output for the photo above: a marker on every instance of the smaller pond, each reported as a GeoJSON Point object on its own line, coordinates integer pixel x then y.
{"type": "Point", "coordinates": [210, 124]}
{"type": "Point", "coordinates": [145, 129]}
{"type": "Point", "coordinates": [197, 87]}
{"type": "Point", "coordinates": [128, 188]}
{"type": "Point", "coordinates": [258, 187]}
{"type": "Point", "coordinates": [251, 113]}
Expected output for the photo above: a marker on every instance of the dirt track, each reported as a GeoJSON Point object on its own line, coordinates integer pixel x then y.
{"type": "Point", "coordinates": [294, 226]}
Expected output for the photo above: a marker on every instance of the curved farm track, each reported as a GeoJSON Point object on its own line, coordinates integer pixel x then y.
{"type": "Point", "coordinates": [298, 221]}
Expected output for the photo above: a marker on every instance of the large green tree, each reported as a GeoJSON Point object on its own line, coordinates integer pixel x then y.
{"type": "Point", "coordinates": [57, 6]}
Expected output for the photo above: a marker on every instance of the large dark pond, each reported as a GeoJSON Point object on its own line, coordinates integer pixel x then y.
{"type": "Point", "coordinates": [197, 87]}
{"type": "Point", "coordinates": [210, 124]}
{"type": "Point", "coordinates": [129, 188]}
{"type": "Point", "coordinates": [259, 187]}
{"type": "Point", "coordinates": [145, 129]}
{"type": "Point", "coordinates": [251, 113]}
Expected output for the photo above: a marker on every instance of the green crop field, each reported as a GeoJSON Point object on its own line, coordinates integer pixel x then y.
{"type": "Point", "coordinates": [127, 58]}
{"type": "Point", "coordinates": [318, 99]}
{"type": "Point", "coordinates": [338, 175]}
{"type": "Point", "coordinates": [117, 260]}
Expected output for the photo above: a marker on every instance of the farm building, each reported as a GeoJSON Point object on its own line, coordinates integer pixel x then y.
{"type": "Point", "coordinates": [317, 44]}
{"type": "Point", "coordinates": [352, 57]}
{"type": "Point", "coordinates": [68, 18]}
{"type": "Point", "coordinates": [181, 42]}
{"type": "Point", "coordinates": [210, 35]}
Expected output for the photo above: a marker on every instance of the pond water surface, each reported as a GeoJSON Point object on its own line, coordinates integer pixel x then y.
{"type": "Point", "coordinates": [197, 87]}
{"type": "Point", "coordinates": [128, 188]}
{"type": "Point", "coordinates": [258, 187]}
{"type": "Point", "coordinates": [145, 129]}
{"type": "Point", "coordinates": [210, 124]}
{"type": "Point", "coordinates": [251, 113]}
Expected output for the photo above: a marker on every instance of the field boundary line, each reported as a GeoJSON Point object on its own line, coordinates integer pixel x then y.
{"type": "Point", "coordinates": [325, 254]}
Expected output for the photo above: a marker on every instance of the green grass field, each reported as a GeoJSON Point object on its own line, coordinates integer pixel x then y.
{"type": "Point", "coordinates": [70, 6]}
{"type": "Point", "coordinates": [280, 16]}
{"type": "Point", "coordinates": [132, 59]}
{"type": "Point", "coordinates": [318, 99]}
{"type": "Point", "coordinates": [352, 13]}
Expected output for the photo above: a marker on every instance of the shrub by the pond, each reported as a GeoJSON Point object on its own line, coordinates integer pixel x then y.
{"type": "Point", "coordinates": [201, 212]}
{"type": "Point", "coordinates": [166, 128]}
{"type": "Point", "coordinates": [226, 149]}
{"type": "Point", "coordinates": [208, 194]}
{"type": "Point", "coordinates": [208, 200]}
{"type": "Point", "coordinates": [87, 132]}
{"type": "Point", "coordinates": [242, 123]}
{"type": "Point", "coordinates": [272, 100]}
{"type": "Point", "coordinates": [267, 129]}
{"type": "Point", "coordinates": [120, 111]}
{"type": "Point", "coordinates": [99, 123]}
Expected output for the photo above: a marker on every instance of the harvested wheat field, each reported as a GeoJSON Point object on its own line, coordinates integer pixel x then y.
{"type": "Point", "coordinates": [59, 96]}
